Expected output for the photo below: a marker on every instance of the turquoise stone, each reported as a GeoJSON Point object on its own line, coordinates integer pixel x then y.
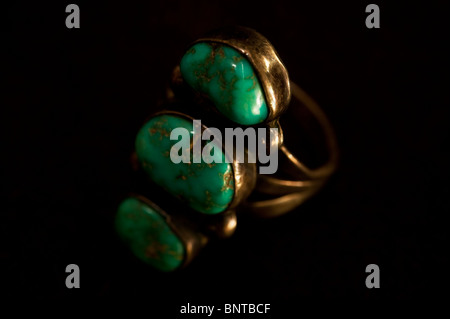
{"type": "Point", "coordinates": [228, 79]}
{"type": "Point", "coordinates": [207, 188]}
{"type": "Point", "coordinates": [148, 235]}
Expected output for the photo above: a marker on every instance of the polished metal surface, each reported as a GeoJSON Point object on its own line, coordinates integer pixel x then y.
{"type": "Point", "coordinates": [303, 177]}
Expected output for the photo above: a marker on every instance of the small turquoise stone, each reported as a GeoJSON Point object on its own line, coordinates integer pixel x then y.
{"type": "Point", "coordinates": [207, 188]}
{"type": "Point", "coordinates": [228, 79]}
{"type": "Point", "coordinates": [148, 235]}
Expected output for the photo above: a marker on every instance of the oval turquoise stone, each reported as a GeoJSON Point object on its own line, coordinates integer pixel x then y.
{"type": "Point", "coordinates": [228, 79]}
{"type": "Point", "coordinates": [148, 235]}
{"type": "Point", "coordinates": [207, 188]}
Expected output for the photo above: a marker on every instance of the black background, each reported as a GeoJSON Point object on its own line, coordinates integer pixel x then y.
{"type": "Point", "coordinates": [75, 98]}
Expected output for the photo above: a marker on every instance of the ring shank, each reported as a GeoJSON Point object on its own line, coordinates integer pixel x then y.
{"type": "Point", "coordinates": [302, 182]}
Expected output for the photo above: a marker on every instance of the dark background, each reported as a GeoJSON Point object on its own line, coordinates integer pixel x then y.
{"type": "Point", "coordinates": [75, 98]}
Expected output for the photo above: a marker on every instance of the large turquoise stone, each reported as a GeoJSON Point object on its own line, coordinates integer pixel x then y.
{"type": "Point", "coordinates": [148, 235]}
{"type": "Point", "coordinates": [207, 188]}
{"type": "Point", "coordinates": [228, 79]}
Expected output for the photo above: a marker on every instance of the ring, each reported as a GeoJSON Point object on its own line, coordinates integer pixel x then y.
{"type": "Point", "coordinates": [228, 82]}
{"type": "Point", "coordinates": [304, 181]}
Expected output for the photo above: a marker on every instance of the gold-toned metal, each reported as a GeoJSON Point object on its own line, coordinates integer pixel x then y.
{"type": "Point", "coordinates": [192, 239]}
{"type": "Point", "coordinates": [245, 176]}
{"type": "Point", "coordinates": [305, 181]}
{"type": "Point", "coordinates": [303, 176]}
{"type": "Point", "coordinates": [271, 72]}
{"type": "Point", "coordinates": [278, 206]}
{"type": "Point", "coordinates": [222, 225]}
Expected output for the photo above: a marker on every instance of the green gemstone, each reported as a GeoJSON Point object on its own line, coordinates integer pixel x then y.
{"type": "Point", "coordinates": [207, 188]}
{"type": "Point", "coordinates": [228, 79]}
{"type": "Point", "coordinates": [148, 235]}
